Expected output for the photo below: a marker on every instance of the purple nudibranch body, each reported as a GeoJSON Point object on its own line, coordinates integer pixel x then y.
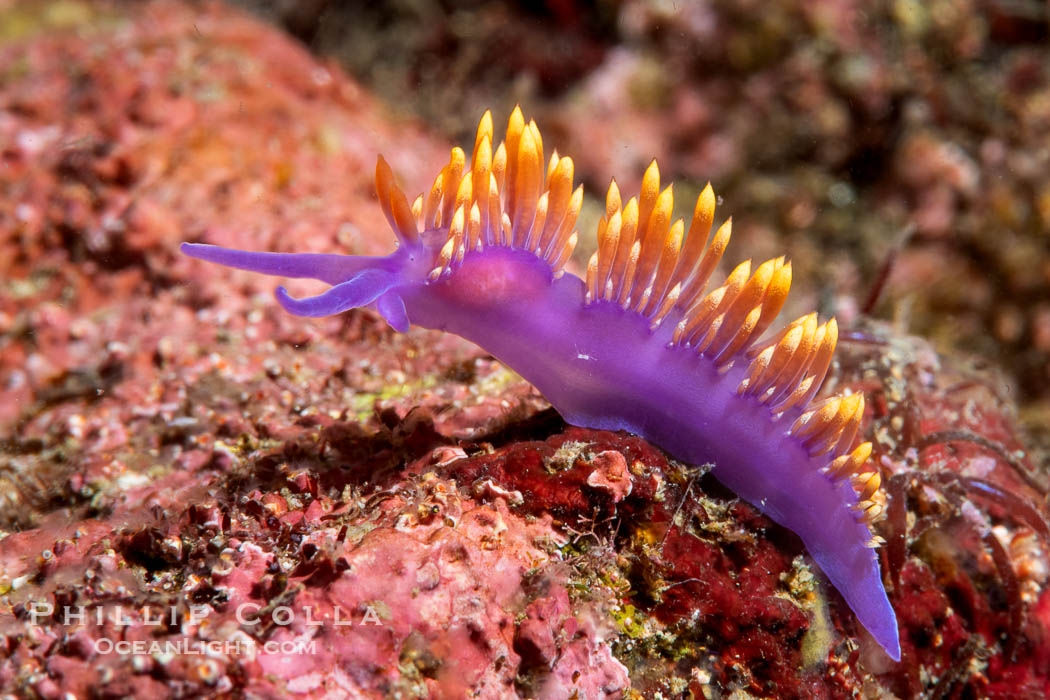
{"type": "Point", "coordinates": [637, 346]}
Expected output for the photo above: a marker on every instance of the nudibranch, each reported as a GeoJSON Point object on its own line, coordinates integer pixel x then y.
{"type": "Point", "coordinates": [639, 345]}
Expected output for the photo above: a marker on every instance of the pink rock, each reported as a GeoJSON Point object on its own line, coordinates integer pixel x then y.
{"type": "Point", "coordinates": [586, 669]}
{"type": "Point", "coordinates": [610, 475]}
{"type": "Point", "coordinates": [537, 638]}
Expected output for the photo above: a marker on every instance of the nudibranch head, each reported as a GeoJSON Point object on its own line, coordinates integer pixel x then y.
{"type": "Point", "coordinates": [639, 344]}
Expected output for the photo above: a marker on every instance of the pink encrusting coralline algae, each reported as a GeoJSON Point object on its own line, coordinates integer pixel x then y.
{"type": "Point", "coordinates": [639, 345]}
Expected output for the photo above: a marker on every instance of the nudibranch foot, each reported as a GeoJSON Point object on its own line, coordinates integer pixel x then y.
{"type": "Point", "coordinates": [392, 308]}
{"type": "Point", "coordinates": [640, 344]}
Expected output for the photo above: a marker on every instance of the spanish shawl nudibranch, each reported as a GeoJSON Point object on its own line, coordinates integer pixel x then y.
{"type": "Point", "coordinates": [637, 346]}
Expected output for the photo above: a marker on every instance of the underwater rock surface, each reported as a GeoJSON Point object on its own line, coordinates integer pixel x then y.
{"type": "Point", "coordinates": [183, 462]}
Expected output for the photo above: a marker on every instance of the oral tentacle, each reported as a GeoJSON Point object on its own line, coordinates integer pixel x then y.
{"type": "Point", "coordinates": [361, 290]}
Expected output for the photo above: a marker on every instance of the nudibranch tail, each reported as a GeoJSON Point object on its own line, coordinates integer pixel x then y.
{"type": "Point", "coordinates": [641, 344]}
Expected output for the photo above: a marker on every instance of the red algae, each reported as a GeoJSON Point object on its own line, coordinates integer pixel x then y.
{"type": "Point", "coordinates": [175, 450]}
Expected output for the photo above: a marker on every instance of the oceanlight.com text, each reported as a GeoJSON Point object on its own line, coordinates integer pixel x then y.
{"type": "Point", "coordinates": [178, 647]}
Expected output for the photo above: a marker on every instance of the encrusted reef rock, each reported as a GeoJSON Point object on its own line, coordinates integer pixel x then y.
{"type": "Point", "coordinates": [202, 495]}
